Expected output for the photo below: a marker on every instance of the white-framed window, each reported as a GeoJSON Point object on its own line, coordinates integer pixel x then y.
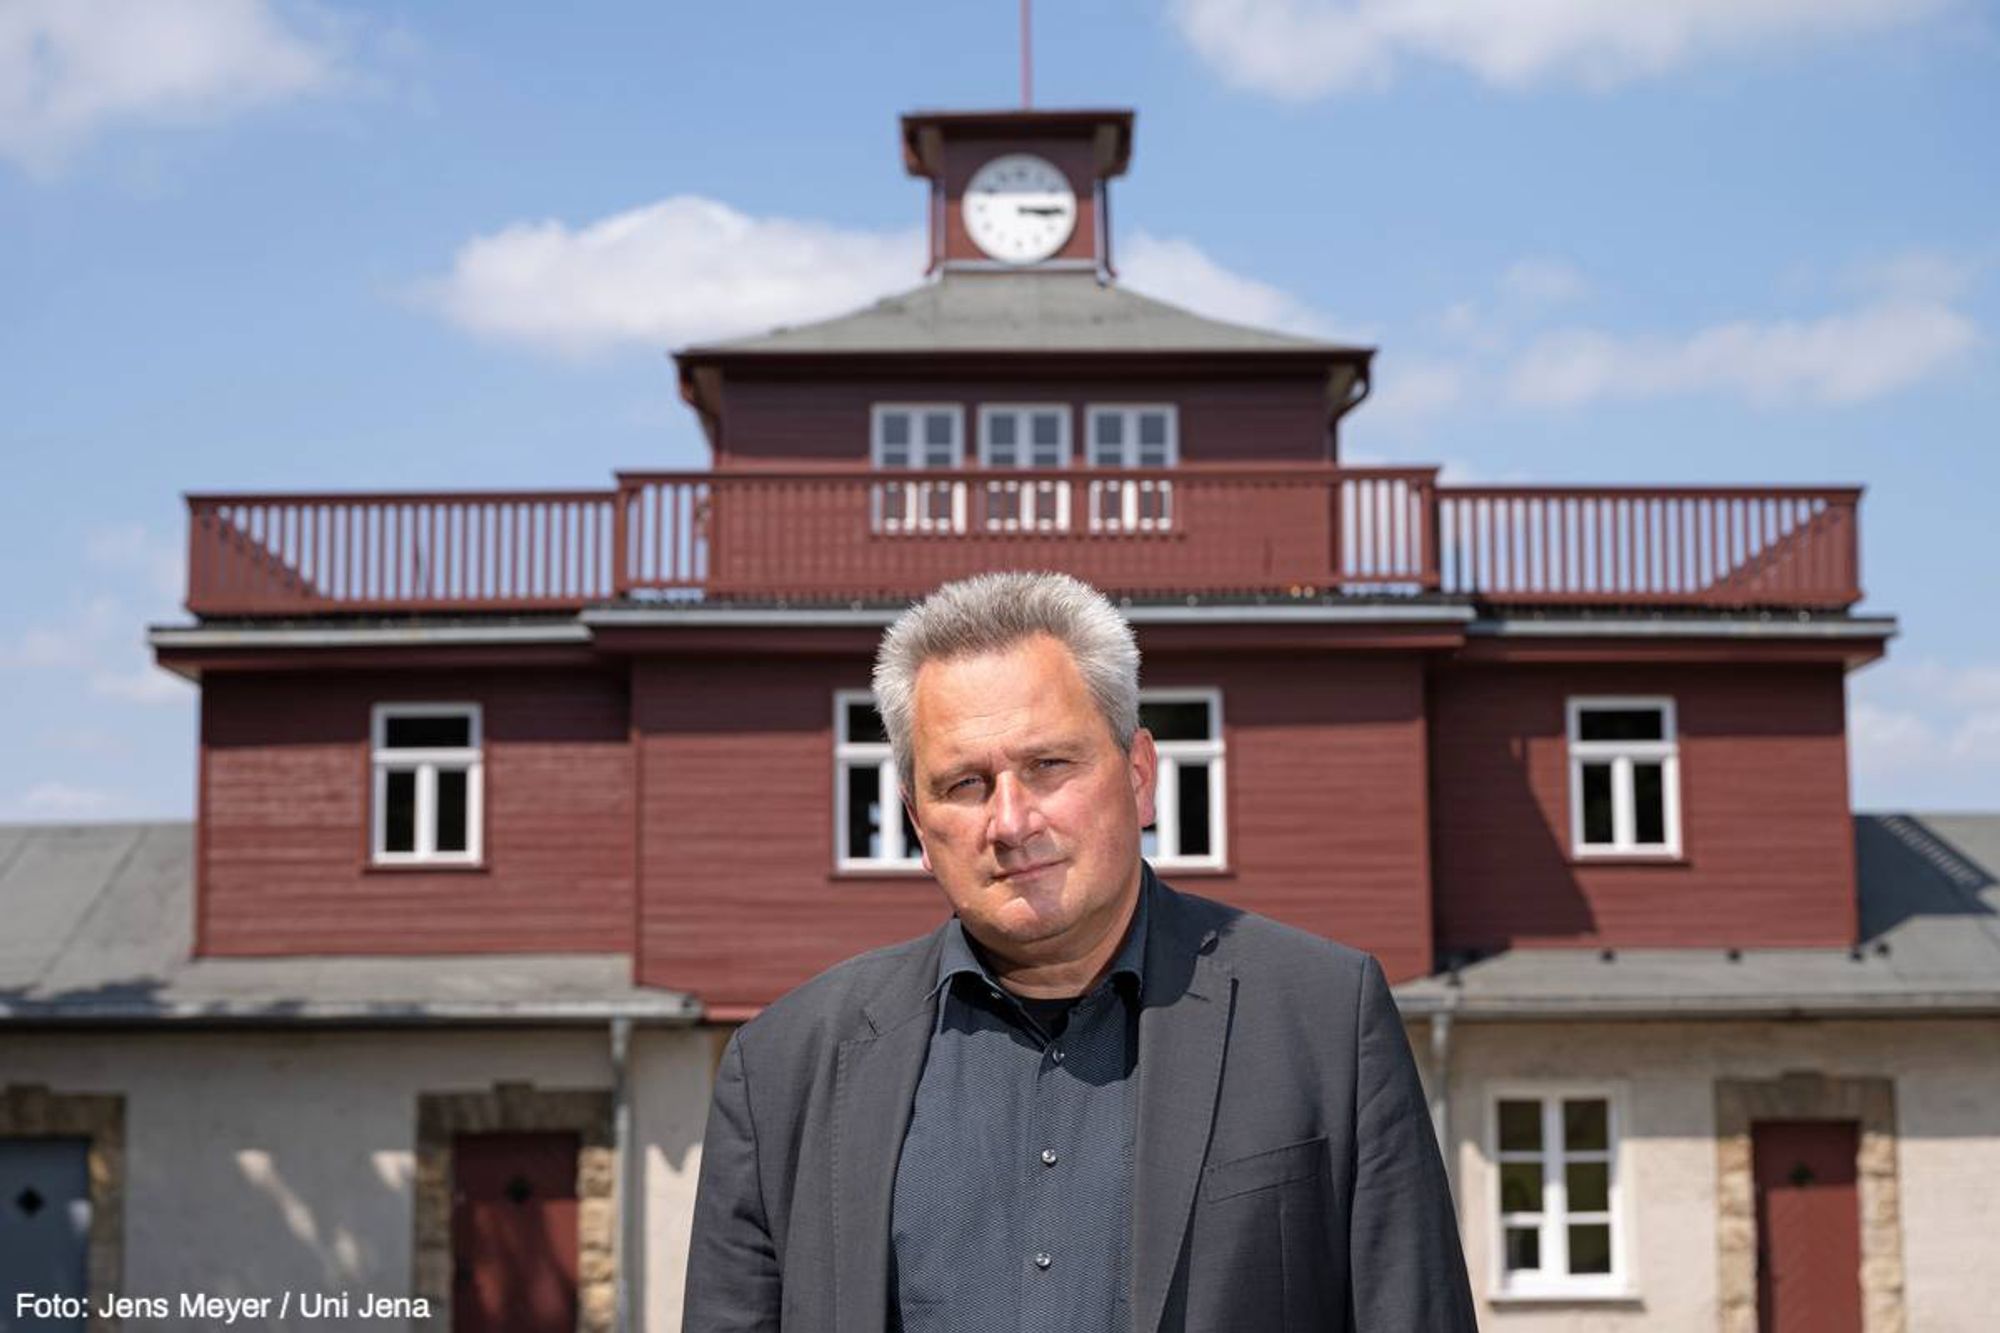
{"type": "Point", "coordinates": [428, 780]}
{"type": "Point", "coordinates": [1624, 776]}
{"type": "Point", "coordinates": [1188, 830]}
{"type": "Point", "coordinates": [1025, 435]}
{"type": "Point", "coordinates": [917, 435]}
{"type": "Point", "coordinates": [1132, 435]}
{"type": "Point", "coordinates": [871, 829]}
{"type": "Point", "coordinates": [1555, 1194]}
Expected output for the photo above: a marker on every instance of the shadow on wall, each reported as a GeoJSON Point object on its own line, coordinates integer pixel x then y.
{"type": "Point", "coordinates": [1912, 870]}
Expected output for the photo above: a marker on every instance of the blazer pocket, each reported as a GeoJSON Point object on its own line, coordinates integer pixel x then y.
{"type": "Point", "coordinates": [1264, 1170]}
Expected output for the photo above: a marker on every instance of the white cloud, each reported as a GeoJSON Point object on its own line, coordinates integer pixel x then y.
{"type": "Point", "coordinates": [1302, 49]}
{"type": "Point", "coordinates": [1916, 275]}
{"type": "Point", "coordinates": [134, 549]}
{"type": "Point", "coordinates": [1544, 282]}
{"type": "Point", "coordinates": [1843, 358]}
{"type": "Point", "coordinates": [60, 800]}
{"type": "Point", "coordinates": [74, 641]}
{"type": "Point", "coordinates": [1407, 394]}
{"type": "Point", "coordinates": [1177, 270]}
{"type": "Point", "coordinates": [71, 68]}
{"type": "Point", "coordinates": [146, 685]}
{"type": "Point", "coordinates": [1926, 734]}
{"type": "Point", "coordinates": [689, 269]}
{"type": "Point", "coordinates": [685, 269]}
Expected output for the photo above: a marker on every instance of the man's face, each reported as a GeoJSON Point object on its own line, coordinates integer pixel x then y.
{"type": "Point", "coordinates": [1028, 811]}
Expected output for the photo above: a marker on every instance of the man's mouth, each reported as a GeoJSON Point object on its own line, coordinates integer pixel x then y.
{"type": "Point", "coordinates": [1021, 872]}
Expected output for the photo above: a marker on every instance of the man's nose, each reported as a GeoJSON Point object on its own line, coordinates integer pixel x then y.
{"type": "Point", "coordinates": [1013, 810]}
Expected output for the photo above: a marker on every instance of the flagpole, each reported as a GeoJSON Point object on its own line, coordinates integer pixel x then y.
{"type": "Point", "coordinates": [1027, 61]}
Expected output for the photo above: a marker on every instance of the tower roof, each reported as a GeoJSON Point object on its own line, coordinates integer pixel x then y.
{"type": "Point", "coordinates": [1019, 312]}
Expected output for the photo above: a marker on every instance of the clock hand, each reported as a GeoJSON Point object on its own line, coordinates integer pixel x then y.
{"type": "Point", "coordinates": [1040, 210]}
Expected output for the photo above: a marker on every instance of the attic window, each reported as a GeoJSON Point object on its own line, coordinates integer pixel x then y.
{"type": "Point", "coordinates": [427, 775]}
{"type": "Point", "coordinates": [926, 436]}
{"type": "Point", "coordinates": [1146, 435]}
{"type": "Point", "coordinates": [1624, 777]}
{"type": "Point", "coordinates": [1132, 437]}
{"type": "Point", "coordinates": [922, 435]}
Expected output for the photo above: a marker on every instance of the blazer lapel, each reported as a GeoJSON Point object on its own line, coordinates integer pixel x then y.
{"type": "Point", "coordinates": [1183, 1029]}
{"type": "Point", "coordinates": [875, 1083]}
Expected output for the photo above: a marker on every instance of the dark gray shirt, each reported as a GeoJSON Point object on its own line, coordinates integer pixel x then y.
{"type": "Point", "coordinates": [1012, 1204]}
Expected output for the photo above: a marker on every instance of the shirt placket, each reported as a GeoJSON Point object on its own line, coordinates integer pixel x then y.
{"type": "Point", "coordinates": [1055, 1119]}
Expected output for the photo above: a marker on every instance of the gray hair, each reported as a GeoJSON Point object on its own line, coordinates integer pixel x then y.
{"type": "Point", "coordinates": [990, 613]}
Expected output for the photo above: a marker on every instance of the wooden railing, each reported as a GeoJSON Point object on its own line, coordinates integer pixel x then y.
{"type": "Point", "coordinates": [860, 534]}
{"type": "Point", "coordinates": [1723, 547]}
{"type": "Point", "coordinates": [891, 534]}
{"type": "Point", "coordinates": [252, 555]}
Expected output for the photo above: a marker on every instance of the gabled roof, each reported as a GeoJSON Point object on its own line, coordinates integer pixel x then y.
{"type": "Point", "coordinates": [99, 929]}
{"type": "Point", "coordinates": [1930, 944]}
{"type": "Point", "coordinates": [1019, 312]}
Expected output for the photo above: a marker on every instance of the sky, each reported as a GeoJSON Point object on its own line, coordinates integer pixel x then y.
{"type": "Point", "coordinates": [289, 245]}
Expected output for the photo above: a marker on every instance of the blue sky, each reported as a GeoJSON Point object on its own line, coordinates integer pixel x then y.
{"type": "Point", "coordinates": [256, 244]}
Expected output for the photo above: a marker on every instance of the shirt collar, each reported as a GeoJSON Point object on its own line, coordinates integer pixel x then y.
{"type": "Point", "coordinates": [959, 957]}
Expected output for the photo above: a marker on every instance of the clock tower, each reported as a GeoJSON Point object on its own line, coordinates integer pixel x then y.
{"type": "Point", "coordinates": [1014, 190]}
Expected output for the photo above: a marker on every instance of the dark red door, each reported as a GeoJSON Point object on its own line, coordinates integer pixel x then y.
{"type": "Point", "coordinates": [1808, 1226]}
{"type": "Point", "coordinates": [513, 1233]}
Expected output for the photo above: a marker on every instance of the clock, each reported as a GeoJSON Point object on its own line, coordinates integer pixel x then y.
{"type": "Point", "coordinates": [1019, 208]}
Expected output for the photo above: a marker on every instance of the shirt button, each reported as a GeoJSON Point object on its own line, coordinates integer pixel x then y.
{"type": "Point", "coordinates": [1055, 1054]}
{"type": "Point", "coordinates": [1048, 1157]}
{"type": "Point", "coordinates": [1043, 1261]}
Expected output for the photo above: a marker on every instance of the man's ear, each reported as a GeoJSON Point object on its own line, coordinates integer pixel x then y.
{"type": "Point", "coordinates": [1145, 767]}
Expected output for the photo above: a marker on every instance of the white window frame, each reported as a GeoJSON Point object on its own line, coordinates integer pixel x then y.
{"type": "Point", "coordinates": [1013, 506]}
{"type": "Point", "coordinates": [1622, 755]}
{"type": "Point", "coordinates": [1128, 518]}
{"type": "Point", "coordinates": [848, 754]}
{"type": "Point", "coordinates": [907, 508]}
{"type": "Point", "coordinates": [1166, 786]}
{"type": "Point", "coordinates": [1553, 1281]}
{"type": "Point", "coordinates": [426, 764]}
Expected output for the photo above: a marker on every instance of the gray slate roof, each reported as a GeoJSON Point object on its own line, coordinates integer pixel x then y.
{"type": "Point", "coordinates": [98, 927]}
{"type": "Point", "coordinates": [1930, 929]}
{"type": "Point", "coordinates": [1019, 312]}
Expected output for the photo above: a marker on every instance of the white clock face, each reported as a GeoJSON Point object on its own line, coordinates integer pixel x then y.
{"type": "Point", "coordinates": [1019, 209]}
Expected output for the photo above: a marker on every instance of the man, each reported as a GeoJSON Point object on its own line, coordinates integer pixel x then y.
{"type": "Point", "coordinates": [1087, 1101]}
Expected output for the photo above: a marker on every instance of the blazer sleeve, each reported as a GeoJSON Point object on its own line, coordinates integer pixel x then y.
{"type": "Point", "coordinates": [733, 1281]}
{"type": "Point", "coordinates": [1406, 1268]}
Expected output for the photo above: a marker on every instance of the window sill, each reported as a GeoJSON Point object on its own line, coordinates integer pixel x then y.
{"type": "Point", "coordinates": [1165, 868]}
{"type": "Point", "coordinates": [878, 872]}
{"type": "Point", "coordinates": [1563, 1296]}
{"type": "Point", "coordinates": [426, 868]}
{"type": "Point", "coordinates": [1628, 858]}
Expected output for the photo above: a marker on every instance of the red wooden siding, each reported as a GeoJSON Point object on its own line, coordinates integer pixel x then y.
{"type": "Point", "coordinates": [788, 422]}
{"type": "Point", "coordinates": [1326, 759]}
{"type": "Point", "coordinates": [285, 817]}
{"type": "Point", "coordinates": [740, 902]}
{"type": "Point", "coordinates": [1767, 850]}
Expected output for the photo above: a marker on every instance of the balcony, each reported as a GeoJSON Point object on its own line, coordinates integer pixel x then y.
{"type": "Point", "coordinates": [868, 534]}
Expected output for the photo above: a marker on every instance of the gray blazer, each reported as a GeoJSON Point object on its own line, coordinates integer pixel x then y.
{"type": "Point", "coordinates": [1285, 1174]}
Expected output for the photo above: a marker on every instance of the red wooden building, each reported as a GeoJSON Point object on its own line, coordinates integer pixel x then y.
{"type": "Point", "coordinates": [1457, 726]}
{"type": "Point", "coordinates": [1429, 720]}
